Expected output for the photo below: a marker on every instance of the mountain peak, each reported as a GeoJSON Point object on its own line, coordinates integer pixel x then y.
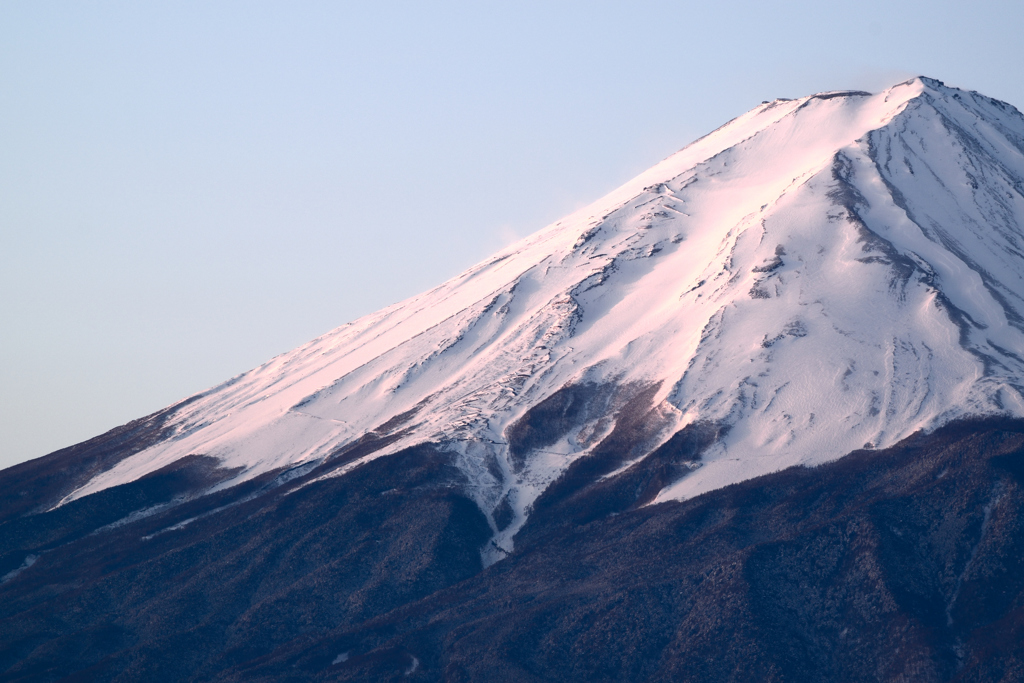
{"type": "Point", "coordinates": [816, 276]}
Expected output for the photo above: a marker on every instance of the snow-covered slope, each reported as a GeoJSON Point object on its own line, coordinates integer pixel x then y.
{"type": "Point", "coordinates": [816, 275]}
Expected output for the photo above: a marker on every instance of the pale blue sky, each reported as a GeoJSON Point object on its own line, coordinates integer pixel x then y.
{"type": "Point", "coordinates": [189, 188]}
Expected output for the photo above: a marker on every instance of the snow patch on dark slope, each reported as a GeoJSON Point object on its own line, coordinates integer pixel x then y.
{"type": "Point", "coordinates": [816, 275]}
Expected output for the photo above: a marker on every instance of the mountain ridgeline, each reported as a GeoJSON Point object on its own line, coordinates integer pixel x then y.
{"type": "Point", "coordinates": [756, 415]}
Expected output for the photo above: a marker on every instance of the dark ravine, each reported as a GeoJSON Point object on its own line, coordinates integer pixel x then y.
{"type": "Point", "coordinates": [897, 564]}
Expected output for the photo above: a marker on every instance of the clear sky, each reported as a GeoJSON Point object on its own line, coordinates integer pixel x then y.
{"type": "Point", "coordinates": [190, 188]}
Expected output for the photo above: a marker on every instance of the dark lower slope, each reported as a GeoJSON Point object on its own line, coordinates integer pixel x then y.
{"type": "Point", "coordinates": [40, 484]}
{"type": "Point", "coordinates": [165, 598]}
{"type": "Point", "coordinates": [904, 564]}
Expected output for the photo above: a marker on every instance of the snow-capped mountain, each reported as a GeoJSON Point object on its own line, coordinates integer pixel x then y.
{"type": "Point", "coordinates": [816, 275]}
{"type": "Point", "coordinates": [819, 278]}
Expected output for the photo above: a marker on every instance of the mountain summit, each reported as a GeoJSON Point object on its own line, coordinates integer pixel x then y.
{"type": "Point", "coordinates": [818, 275]}
{"type": "Point", "coordinates": [756, 415]}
